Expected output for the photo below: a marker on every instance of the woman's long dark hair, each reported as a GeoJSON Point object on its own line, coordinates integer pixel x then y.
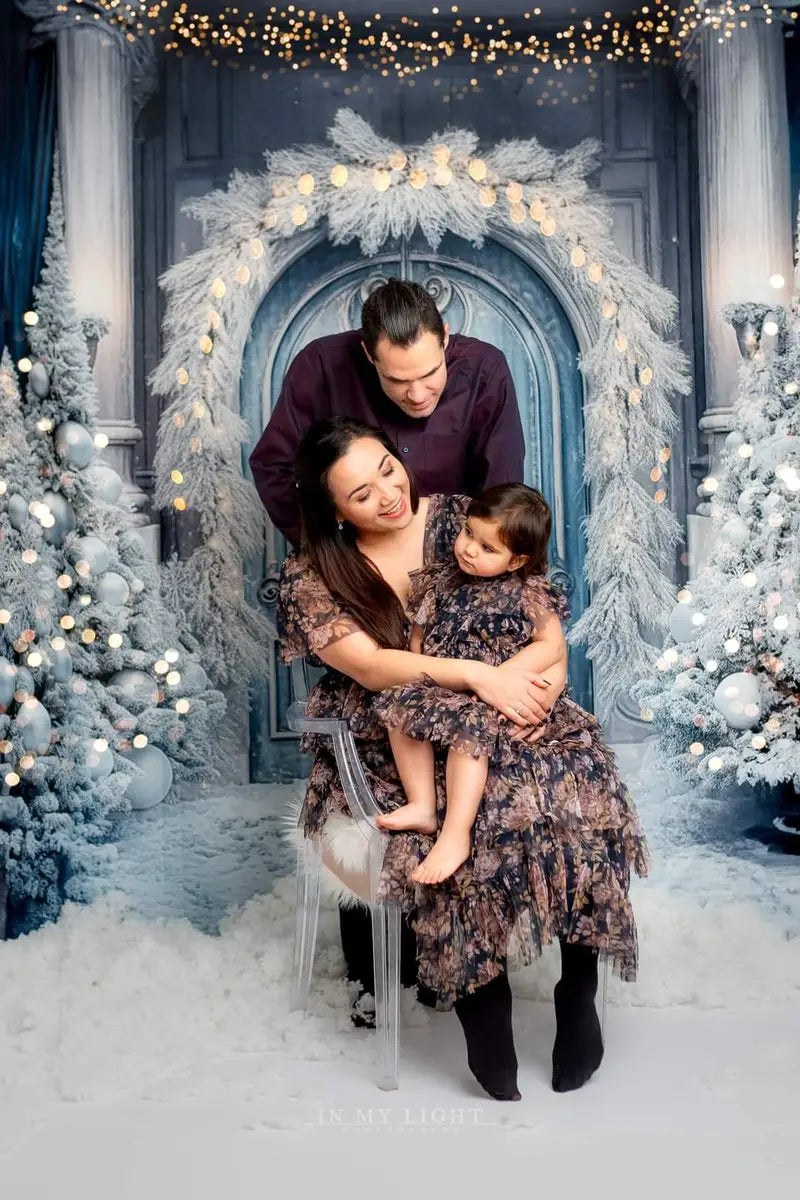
{"type": "Point", "coordinates": [348, 574]}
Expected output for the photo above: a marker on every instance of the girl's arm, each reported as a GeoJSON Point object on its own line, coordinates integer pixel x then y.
{"type": "Point", "coordinates": [548, 646]}
{"type": "Point", "coordinates": [546, 655]}
{"type": "Point", "coordinates": [514, 691]}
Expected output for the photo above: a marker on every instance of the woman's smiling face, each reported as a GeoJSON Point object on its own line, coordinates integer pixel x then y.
{"type": "Point", "coordinates": [370, 488]}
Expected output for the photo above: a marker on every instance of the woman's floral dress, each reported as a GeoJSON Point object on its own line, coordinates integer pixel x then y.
{"type": "Point", "coordinates": [555, 837]}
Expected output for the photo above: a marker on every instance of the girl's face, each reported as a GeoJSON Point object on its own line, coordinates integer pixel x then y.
{"type": "Point", "coordinates": [480, 551]}
{"type": "Point", "coordinates": [370, 488]}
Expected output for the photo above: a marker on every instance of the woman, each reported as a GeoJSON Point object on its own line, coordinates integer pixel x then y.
{"type": "Point", "coordinates": [557, 833]}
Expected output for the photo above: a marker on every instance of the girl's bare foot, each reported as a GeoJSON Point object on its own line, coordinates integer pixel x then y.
{"type": "Point", "coordinates": [417, 816]}
{"type": "Point", "coordinates": [451, 850]}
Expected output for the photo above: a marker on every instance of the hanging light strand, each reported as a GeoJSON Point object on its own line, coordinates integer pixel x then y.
{"type": "Point", "coordinates": [401, 47]}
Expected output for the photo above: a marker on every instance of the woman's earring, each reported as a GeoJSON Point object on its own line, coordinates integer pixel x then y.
{"type": "Point", "coordinates": [341, 525]}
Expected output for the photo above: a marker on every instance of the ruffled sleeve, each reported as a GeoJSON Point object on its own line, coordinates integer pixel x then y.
{"type": "Point", "coordinates": [540, 595]}
{"type": "Point", "coordinates": [422, 594]}
{"type": "Point", "coordinates": [308, 616]}
{"type": "Point", "coordinates": [444, 525]}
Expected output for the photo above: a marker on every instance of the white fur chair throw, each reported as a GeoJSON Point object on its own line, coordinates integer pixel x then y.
{"type": "Point", "coordinates": [345, 843]}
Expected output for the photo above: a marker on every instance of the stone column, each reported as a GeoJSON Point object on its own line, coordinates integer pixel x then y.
{"type": "Point", "coordinates": [745, 198]}
{"type": "Point", "coordinates": [96, 144]}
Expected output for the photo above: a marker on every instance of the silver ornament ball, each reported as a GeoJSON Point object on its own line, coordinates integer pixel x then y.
{"type": "Point", "coordinates": [39, 377]}
{"type": "Point", "coordinates": [74, 444]}
{"type": "Point", "coordinates": [99, 762]}
{"type": "Point", "coordinates": [94, 551]}
{"type": "Point", "coordinates": [736, 693]}
{"type": "Point", "coordinates": [193, 677]}
{"type": "Point", "coordinates": [18, 513]}
{"type": "Point", "coordinates": [111, 588]}
{"type": "Point", "coordinates": [62, 665]}
{"type": "Point", "coordinates": [34, 725]}
{"type": "Point", "coordinates": [136, 685]}
{"type": "Point", "coordinates": [106, 483]}
{"type": "Point", "coordinates": [61, 509]}
{"type": "Point", "coordinates": [736, 531]}
{"type": "Point", "coordinates": [150, 788]}
{"type": "Point", "coordinates": [8, 682]}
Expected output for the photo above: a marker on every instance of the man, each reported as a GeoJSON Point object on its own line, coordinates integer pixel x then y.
{"type": "Point", "coordinates": [447, 401]}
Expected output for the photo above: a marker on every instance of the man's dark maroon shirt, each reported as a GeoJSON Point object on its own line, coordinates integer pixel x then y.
{"type": "Point", "coordinates": [472, 440]}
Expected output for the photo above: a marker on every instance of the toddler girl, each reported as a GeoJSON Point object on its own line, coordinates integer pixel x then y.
{"type": "Point", "coordinates": [487, 603]}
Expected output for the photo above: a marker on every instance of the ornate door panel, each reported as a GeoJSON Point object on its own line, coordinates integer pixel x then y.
{"type": "Point", "coordinates": [491, 294]}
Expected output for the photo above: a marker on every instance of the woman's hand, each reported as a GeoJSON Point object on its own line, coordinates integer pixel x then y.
{"type": "Point", "coordinates": [515, 693]}
{"type": "Point", "coordinates": [556, 675]}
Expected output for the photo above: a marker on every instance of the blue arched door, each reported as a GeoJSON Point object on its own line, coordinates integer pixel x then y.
{"type": "Point", "coordinates": [489, 293]}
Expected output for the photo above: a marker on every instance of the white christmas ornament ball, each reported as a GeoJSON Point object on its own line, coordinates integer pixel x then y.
{"type": "Point", "coordinates": [17, 511]}
{"type": "Point", "coordinates": [94, 551]}
{"type": "Point", "coordinates": [682, 625]}
{"type": "Point", "coordinates": [111, 588]}
{"type": "Point", "coordinates": [106, 482]}
{"type": "Point", "coordinates": [74, 444]}
{"type": "Point", "coordinates": [150, 788]}
{"type": "Point", "coordinates": [734, 440]}
{"type": "Point", "coordinates": [40, 380]}
{"type": "Point", "coordinates": [136, 685]}
{"type": "Point", "coordinates": [736, 531]}
{"type": "Point", "coordinates": [738, 698]}
{"type": "Point", "coordinates": [61, 509]}
{"type": "Point", "coordinates": [34, 724]}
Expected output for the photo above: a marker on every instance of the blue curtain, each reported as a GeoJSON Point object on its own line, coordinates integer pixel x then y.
{"type": "Point", "coordinates": [793, 99]}
{"type": "Point", "coordinates": [27, 138]}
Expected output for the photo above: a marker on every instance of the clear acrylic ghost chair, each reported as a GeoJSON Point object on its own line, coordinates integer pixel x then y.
{"type": "Point", "coordinates": [385, 917]}
{"type": "Point", "coordinates": [603, 967]}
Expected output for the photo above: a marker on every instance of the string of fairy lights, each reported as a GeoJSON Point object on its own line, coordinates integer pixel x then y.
{"type": "Point", "coordinates": [294, 38]}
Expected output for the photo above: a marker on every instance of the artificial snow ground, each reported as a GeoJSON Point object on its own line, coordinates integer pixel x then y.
{"type": "Point", "coordinates": [146, 1048]}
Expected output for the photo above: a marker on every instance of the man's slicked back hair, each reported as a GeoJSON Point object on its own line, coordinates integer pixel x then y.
{"type": "Point", "coordinates": [401, 312]}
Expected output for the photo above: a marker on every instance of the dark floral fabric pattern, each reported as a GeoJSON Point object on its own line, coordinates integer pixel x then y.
{"type": "Point", "coordinates": [465, 617]}
{"type": "Point", "coordinates": [557, 833]}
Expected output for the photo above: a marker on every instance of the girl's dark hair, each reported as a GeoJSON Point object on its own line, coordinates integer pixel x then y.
{"type": "Point", "coordinates": [349, 576]}
{"type": "Point", "coordinates": [400, 311]}
{"type": "Point", "coordinates": [523, 520]}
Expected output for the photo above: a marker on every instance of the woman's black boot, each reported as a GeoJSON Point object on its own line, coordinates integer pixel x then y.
{"type": "Point", "coordinates": [355, 926]}
{"type": "Point", "coordinates": [578, 1048]}
{"type": "Point", "coordinates": [485, 1017]}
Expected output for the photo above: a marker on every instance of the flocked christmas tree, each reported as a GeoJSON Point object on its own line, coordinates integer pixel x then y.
{"type": "Point", "coordinates": [725, 704]}
{"type": "Point", "coordinates": [103, 702]}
